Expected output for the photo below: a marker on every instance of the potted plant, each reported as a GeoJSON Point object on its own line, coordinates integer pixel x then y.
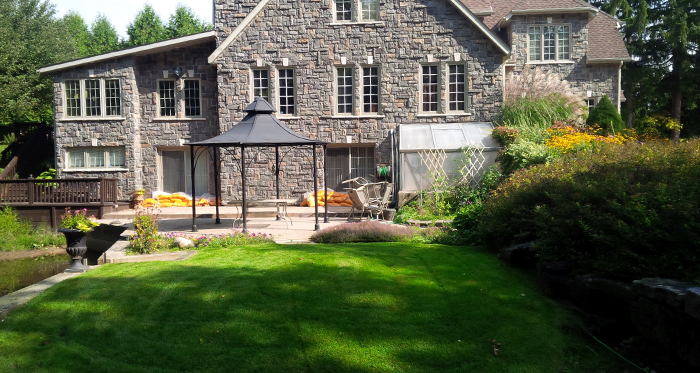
{"type": "Point", "coordinates": [137, 197]}
{"type": "Point", "coordinates": [75, 225]}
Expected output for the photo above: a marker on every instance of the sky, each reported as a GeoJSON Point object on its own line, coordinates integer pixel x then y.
{"type": "Point", "coordinates": [122, 12]}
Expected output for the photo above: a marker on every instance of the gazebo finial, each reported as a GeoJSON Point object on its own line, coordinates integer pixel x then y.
{"type": "Point", "coordinates": [259, 105]}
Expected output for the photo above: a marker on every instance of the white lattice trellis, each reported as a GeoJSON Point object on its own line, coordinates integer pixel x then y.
{"type": "Point", "coordinates": [472, 169]}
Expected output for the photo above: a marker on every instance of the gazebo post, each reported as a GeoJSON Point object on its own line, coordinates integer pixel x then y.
{"type": "Point", "coordinates": [325, 186]}
{"type": "Point", "coordinates": [194, 200]}
{"type": "Point", "coordinates": [277, 174]}
{"type": "Point", "coordinates": [217, 183]}
{"type": "Point", "coordinates": [245, 226]}
{"type": "Point", "coordinates": [316, 227]}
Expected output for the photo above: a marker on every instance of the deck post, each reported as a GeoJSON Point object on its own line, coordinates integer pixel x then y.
{"type": "Point", "coordinates": [245, 215]}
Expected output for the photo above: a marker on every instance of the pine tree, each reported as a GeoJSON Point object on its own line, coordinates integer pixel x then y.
{"type": "Point", "coordinates": [606, 116]}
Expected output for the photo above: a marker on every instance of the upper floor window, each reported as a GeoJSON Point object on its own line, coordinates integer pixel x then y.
{"type": "Point", "coordinates": [430, 88]}
{"type": "Point", "coordinates": [93, 98]}
{"type": "Point", "coordinates": [370, 89]}
{"type": "Point", "coordinates": [191, 104]}
{"type": "Point", "coordinates": [287, 98]}
{"type": "Point", "coordinates": [166, 98]}
{"type": "Point", "coordinates": [457, 87]}
{"type": "Point", "coordinates": [345, 90]}
{"type": "Point", "coordinates": [370, 10]}
{"type": "Point", "coordinates": [549, 42]}
{"type": "Point", "coordinates": [193, 98]}
{"type": "Point", "coordinates": [345, 10]}
{"type": "Point", "coordinates": [261, 84]}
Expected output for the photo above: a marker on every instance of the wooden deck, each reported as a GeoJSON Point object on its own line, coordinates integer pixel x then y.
{"type": "Point", "coordinates": [44, 200]}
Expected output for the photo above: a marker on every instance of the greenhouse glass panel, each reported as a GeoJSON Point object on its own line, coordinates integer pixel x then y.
{"type": "Point", "coordinates": [416, 137]}
{"type": "Point", "coordinates": [449, 138]}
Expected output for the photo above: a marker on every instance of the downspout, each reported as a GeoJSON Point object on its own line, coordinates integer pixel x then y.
{"type": "Point", "coordinates": [394, 169]}
{"type": "Point", "coordinates": [619, 86]}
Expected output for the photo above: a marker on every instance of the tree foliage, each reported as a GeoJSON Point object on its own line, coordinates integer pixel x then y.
{"type": "Point", "coordinates": [663, 38]}
{"type": "Point", "coordinates": [146, 28]}
{"type": "Point", "coordinates": [79, 31]}
{"type": "Point", "coordinates": [103, 36]}
{"type": "Point", "coordinates": [30, 37]}
{"type": "Point", "coordinates": [184, 22]}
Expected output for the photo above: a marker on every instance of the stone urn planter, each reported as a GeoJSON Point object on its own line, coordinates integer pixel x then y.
{"type": "Point", "coordinates": [76, 248]}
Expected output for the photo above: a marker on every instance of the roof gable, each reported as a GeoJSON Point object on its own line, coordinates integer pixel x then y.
{"type": "Point", "coordinates": [459, 4]}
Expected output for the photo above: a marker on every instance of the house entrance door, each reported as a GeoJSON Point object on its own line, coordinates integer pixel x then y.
{"type": "Point", "coordinates": [347, 163]}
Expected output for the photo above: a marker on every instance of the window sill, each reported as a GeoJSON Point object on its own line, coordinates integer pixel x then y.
{"type": "Point", "coordinates": [428, 115]}
{"type": "Point", "coordinates": [175, 119]}
{"type": "Point", "coordinates": [95, 170]}
{"type": "Point", "coordinates": [90, 119]}
{"type": "Point", "coordinates": [368, 116]}
{"type": "Point", "coordinates": [358, 23]}
{"type": "Point", "coordinates": [287, 118]}
{"type": "Point", "coordinates": [559, 62]}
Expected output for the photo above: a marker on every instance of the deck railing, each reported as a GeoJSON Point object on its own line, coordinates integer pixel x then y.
{"type": "Point", "coordinates": [10, 170]}
{"type": "Point", "coordinates": [58, 192]}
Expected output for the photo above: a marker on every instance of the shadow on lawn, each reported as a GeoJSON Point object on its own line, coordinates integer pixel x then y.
{"type": "Point", "coordinates": [292, 308]}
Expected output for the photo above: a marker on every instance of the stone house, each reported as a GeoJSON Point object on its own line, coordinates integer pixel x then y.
{"type": "Point", "coordinates": [348, 72]}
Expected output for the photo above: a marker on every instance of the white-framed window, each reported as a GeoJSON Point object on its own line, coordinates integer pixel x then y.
{"type": "Point", "coordinates": [96, 157]}
{"type": "Point", "coordinates": [549, 42]}
{"type": "Point", "coordinates": [192, 95]}
{"type": "Point", "coordinates": [367, 10]}
{"type": "Point", "coordinates": [343, 10]}
{"type": "Point", "coordinates": [590, 103]}
{"type": "Point", "coordinates": [188, 103]}
{"type": "Point", "coordinates": [430, 87]}
{"type": "Point", "coordinates": [261, 83]}
{"type": "Point", "coordinates": [370, 89]}
{"type": "Point", "coordinates": [93, 98]}
{"type": "Point", "coordinates": [345, 91]}
{"type": "Point", "coordinates": [286, 92]}
{"type": "Point", "coordinates": [370, 10]}
{"type": "Point", "coordinates": [457, 87]}
{"type": "Point", "coordinates": [166, 98]}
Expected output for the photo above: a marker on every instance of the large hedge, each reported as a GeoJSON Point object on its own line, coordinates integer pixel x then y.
{"type": "Point", "coordinates": [622, 211]}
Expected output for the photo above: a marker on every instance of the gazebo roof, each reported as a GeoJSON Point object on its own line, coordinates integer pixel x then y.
{"type": "Point", "coordinates": [259, 128]}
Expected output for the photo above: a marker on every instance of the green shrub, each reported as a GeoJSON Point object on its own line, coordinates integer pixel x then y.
{"type": "Point", "coordinates": [464, 225]}
{"type": "Point", "coordinates": [532, 116]}
{"type": "Point", "coordinates": [505, 135]}
{"type": "Point", "coordinates": [18, 234]}
{"type": "Point", "coordinates": [605, 115]}
{"type": "Point", "coordinates": [654, 127]}
{"type": "Point", "coordinates": [525, 153]}
{"type": "Point", "coordinates": [626, 212]}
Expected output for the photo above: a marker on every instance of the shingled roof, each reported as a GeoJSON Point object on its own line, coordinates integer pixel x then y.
{"type": "Point", "coordinates": [604, 40]}
{"type": "Point", "coordinates": [478, 7]}
{"type": "Point", "coordinates": [605, 43]}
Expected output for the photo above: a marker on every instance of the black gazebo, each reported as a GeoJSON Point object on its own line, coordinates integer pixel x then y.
{"type": "Point", "coordinates": [259, 128]}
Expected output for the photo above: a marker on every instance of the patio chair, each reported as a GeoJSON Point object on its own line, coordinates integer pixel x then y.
{"type": "Point", "coordinates": [361, 203]}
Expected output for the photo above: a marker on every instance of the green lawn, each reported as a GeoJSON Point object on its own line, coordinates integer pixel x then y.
{"type": "Point", "coordinates": [303, 308]}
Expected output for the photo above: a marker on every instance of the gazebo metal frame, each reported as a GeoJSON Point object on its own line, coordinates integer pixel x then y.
{"type": "Point", "coordinates": [259, 128]}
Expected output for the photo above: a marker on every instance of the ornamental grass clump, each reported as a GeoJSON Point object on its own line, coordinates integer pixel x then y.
{"type": "Point", "coordinates": [623, 211]}
{"type": "Point", "coordinates": [364, 231]}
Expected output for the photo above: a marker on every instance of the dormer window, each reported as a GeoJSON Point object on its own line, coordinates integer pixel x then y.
{"type": "Point", "coordinates": [367, 10]}
{"type": "Point", "coordinates": [549, 43]}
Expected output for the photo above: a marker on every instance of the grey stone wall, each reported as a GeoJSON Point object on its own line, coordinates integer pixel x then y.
{"type": "Point", "coordinates": [303, 35]}
{"type": "Point", "coordinates": [599, 78]}
{"type": "Point", "coordinates": [138, 129]}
